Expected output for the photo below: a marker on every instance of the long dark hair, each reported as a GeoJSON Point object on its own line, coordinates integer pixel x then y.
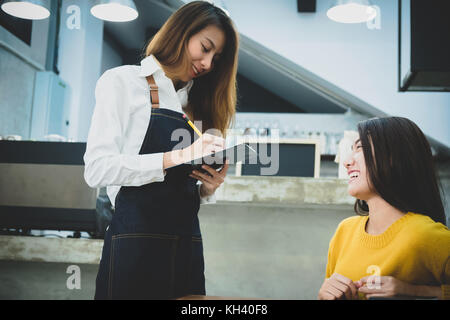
{"type": "Point", "coordinates": [400, 167]}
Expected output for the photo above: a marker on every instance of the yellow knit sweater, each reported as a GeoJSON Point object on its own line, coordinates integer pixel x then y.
{"type": "Point", "coordinates": [414, 249]}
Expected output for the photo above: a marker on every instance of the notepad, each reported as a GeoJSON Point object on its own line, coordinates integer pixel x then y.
{"type": "Point", "coordinates": [238, 153]}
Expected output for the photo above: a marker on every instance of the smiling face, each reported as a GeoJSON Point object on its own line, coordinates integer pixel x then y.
{"type": "Point", "coordinates": [358, 183]}
{"type": "Point", "coordinates": [204, 49]}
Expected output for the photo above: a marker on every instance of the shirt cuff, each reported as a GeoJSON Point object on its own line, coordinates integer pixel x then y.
{"type": "Point", "coordinates": [151, 167]}
{"type": "Point", "coordinates": [208, 199]}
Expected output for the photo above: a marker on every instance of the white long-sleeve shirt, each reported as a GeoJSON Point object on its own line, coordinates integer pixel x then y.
{"type": "Point", "coordinates": [119, 124]}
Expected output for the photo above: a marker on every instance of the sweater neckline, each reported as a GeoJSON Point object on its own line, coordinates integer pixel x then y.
{"type": "Point", "coordinates": [383, 239]}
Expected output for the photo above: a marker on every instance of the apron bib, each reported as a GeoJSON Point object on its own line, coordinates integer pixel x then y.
{"type": "Point", "coordinates": [153, 246]}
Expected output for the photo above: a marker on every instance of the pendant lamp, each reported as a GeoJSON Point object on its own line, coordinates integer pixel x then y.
{"type": "Point", "coordinates": [115, 10]}
{"type": "Point", "coordinates": [27, 9]}
{"type": "Point", "coordinates": [351, 11]}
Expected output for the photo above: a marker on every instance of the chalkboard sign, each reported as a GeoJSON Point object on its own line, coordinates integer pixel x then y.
{"type": "Point", "coordinates": [283, 157]}
{"type": "Point", "coordinates": [42, 152]}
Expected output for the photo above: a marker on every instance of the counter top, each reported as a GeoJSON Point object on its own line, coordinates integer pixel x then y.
{"type": "Point", "coordinates": [45, 249]}
{"type": "Point", "coordinates": [293, 190]}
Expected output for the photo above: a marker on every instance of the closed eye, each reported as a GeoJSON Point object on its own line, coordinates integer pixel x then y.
{"type": "Point", "coordinates": [356, 147]}
{"type": "Point", "coordinates": [205, 49]}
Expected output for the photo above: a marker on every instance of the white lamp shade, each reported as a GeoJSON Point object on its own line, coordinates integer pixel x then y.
{"type": "Point", "coordinates": [29, 9]}
{"type": "Point", "coordinates": [115, 10]}
{"type": "Point", "coordinates": [352, 11]}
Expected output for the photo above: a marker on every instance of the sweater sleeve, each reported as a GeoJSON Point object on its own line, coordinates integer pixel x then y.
{"type": "Point", "coordinates": [436, 239]}
{"type": "Point", "coordinates": [331, 261]}
{"type": "Point", "coordinates": [339, 242]}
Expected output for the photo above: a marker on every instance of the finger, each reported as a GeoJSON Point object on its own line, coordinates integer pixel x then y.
{"type": "Point", "coordinates": [218, 147]}
{"type": "Point", "coordinates": [209, 149]}
{"type": "Point", "coordinates": [199, 179]}
{"type": "Point", "coordinates": [354, 290]}
{"type": "Point", "coordinates": [353, 293]}
{"type": "Point", "coordinates": [220, 143]}
{"type": "Point", "coordinates": [363, 280]}
{"type": "Point", "coordinates": [216, 177]}
{"type": "Point", "coordinates": [373, 278]}
{"type": "Point", "coordinates": [332, 282]}
{"type": "Point", "coordinates": [208, 175]}
{"type": "Point", "coordinates": [207, 137]}
{"type": "Point", "coordinates": [211, 170]}
{"type": "Point", "coordinates": [373, 282]}
{"type": "Point", "coordinates": [349, 290]}
{"type": "Point", "coordinates": [342, 279]}
{"type": "Point", "coordinates": [215, 144]}
{"type": "Point", "coordinates": [195, 175]}
{"type": "Point", "coordinates": [343, 288]}
{"type": "Point", "coordinates": [384, 279]}
{"type": "Point", "coordinates": [366, 290]}
{"type": "Point", "coordinates": [348, 283]}
{"type": "Point", "coordinates": [338, 285]}
{"type": "Point", "coordinates": [337, 294]}
{"type": "Point", "coordinates": [328, 296]}
{"type": "Point", "coordinates": [204, 177]}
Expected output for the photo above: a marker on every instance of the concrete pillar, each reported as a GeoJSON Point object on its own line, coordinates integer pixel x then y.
{"type": "Point", "coordinates": [79, 62]}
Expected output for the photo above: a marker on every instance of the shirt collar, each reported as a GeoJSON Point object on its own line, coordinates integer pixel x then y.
{"type": "Point", "coordinates": [150, 65]}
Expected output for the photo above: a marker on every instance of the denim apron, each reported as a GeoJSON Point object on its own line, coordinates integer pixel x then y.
{"type": "Point", "coordinates": [153, 246]}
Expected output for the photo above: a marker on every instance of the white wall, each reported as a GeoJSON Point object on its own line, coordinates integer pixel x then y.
{"type": "Point", "coordinates": [362, 61]}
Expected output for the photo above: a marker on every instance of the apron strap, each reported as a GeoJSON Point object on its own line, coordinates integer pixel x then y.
{"type": "Point", "coordinates": [154, 97]}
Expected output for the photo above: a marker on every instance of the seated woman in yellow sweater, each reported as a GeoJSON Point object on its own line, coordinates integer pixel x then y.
{"type": "Point", "coordinates": [398, 245]}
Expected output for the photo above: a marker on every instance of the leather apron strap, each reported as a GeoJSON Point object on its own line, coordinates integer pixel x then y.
{"type": "Point", "coordinates": [154, 96]}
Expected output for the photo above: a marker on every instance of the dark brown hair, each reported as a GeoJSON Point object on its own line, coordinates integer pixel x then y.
{"type": "Point", "coordinates": [400, 167]}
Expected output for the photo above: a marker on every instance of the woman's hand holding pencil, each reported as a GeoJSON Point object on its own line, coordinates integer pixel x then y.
{"type": "Point", "coordinates": [203, 146]}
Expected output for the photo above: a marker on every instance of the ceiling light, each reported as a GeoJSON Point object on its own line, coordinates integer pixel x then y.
{"type": "Point", "coordinates": [352, 11]}
{"type": "Point", "coordinates": [29, 9]}
{"type": "Point", "coordinates": [115, 10]}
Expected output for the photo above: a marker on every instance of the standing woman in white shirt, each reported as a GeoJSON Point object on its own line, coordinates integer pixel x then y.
{"type": "Point", "coordinates": [153, 246]}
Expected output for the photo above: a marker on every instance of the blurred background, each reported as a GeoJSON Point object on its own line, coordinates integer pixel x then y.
{"type": "Point", "coordinates": [308, 73]}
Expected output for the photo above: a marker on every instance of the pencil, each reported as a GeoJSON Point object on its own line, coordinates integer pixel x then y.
{"type": "Point", "coordinates": [192, 125]}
